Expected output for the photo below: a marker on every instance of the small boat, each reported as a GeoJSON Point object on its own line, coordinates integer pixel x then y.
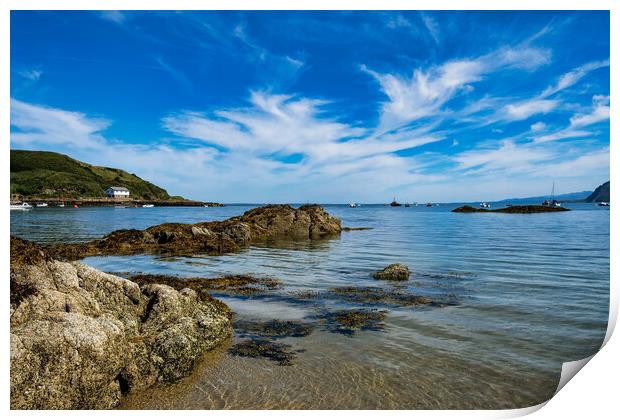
{"type": "Point", "coordinates": [22, 206]}
{"type": "Point", "coordinates": [429, 204]}
{"type": "Point", "coordinates": [407, 205]}
{"type": "Point", "coordinates": [485, 205]}
{"type": "Point", "coordinates": [603, 204]}
{"type": "Point", "coordinates": [148, 206]}
{"type": "Point", "coordinates": [75, 206]}
{"type": "Point", "coordinates": [395, 203]}
{"type": "Point", "coordinates": [553, 202]}
{"type": "Point", "coordinates": [61, 205]}
{"type": "Point", "coordinates": [354, 205]}
{"type": "Point", "coordinates": [41, 204]}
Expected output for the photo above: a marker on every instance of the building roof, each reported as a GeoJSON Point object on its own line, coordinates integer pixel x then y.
{"type": "Point", "coordinates": [118, 189]}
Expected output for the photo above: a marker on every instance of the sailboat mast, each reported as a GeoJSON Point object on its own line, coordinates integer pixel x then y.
{"type": "Point", "coordinates": [553, 191]}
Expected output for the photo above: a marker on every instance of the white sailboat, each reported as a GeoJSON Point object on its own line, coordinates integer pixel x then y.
{"type": "Point", "coordinates": [553, 202]}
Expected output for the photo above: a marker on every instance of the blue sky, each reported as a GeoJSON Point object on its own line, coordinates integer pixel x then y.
{"type": "Point", "coordinates": [320, 106]}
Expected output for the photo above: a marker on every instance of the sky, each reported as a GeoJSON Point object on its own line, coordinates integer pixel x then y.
{"type": "Point", "coordinates": [326, 107]}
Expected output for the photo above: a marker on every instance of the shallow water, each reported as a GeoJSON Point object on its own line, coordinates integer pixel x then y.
{"type": "Point", "coordinates": [526, 293]}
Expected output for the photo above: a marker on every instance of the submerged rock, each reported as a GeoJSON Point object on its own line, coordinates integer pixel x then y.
{"type": "Point", "coordinates": [261, 348]}
{"type": "Point", "coordinates": [378, 295]}
{"type": "Point", "coordinates": [393, 272]}
{"type": "Point", "coordinates": [349, 321]}
{"type": "Point", "coordinates": [242, 285]}
{"type": "Point", "coordinates": [81, 338]}
{"type": "Point", "coordinates": [274, 328]}
{"type": "Point", "coordinates": [262, 223]}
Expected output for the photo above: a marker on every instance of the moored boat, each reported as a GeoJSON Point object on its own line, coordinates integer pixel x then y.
{"type": "Point", "coordinates": [22, 206]}
{"type": "Point", "coordinates": [603, 204]}
{"type": "Point", "coordinates": [552, 202]}
{"type": "Point", "coordinates": [395, 203]}
{"type": "Point", "coordinates": [41, 204]}
{"type": "Point", "coordinates": [148, 206]}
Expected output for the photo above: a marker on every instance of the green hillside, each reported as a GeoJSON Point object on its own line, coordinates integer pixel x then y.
{"type": "Point", "coordinates": [53, 175]}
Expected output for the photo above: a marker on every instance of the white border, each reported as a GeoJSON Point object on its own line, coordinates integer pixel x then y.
{"type": "Point", "coordinates": [593, 394]}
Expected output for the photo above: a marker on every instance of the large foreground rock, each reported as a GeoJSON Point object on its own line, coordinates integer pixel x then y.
{"type": "Point", "coordinates": [81, 338]}
{"type": "Point", "coordinates": [263, 223]}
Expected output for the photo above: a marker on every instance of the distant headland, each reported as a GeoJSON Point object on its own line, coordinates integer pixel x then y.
{"type": "Point", "coordinates": [54, 178]}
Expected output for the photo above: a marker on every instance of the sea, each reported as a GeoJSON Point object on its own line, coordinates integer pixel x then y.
{"type": "Point", "coordinates": [520, 295]}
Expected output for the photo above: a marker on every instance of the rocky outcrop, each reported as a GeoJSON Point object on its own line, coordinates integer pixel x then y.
{"type": "Point", "coordinates": [393, 272]}
{"type": "Point", "coordinates": [263, 223]}
{"type": "Point", "coordinates": [601, 193]}
{"type": "Point", "coordinates": [81, 338]}
{"type": "Point", "coordinates": [527, 209]}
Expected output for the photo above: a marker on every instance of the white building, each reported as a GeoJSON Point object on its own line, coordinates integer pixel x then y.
{"type": "Point", "coordinates": [117, 192]}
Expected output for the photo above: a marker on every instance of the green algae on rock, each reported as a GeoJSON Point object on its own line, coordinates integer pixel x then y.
{"type": "Point", "coordinates": [259, 224]}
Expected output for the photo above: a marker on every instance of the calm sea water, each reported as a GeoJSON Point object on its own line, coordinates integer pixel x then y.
{"type": "Point", "coordinates": [531, 292]}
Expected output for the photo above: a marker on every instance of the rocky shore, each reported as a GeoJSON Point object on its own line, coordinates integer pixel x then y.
{"type": "Point", "coordinates": [80, 338]}
{"type": "Point", "coordinates": [526, 209]}
{"type": "Point", "coordinates": [263, 223]}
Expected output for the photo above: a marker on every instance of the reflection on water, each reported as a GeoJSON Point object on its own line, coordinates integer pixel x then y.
{"type": "Point", "coordinates": [531, 292]}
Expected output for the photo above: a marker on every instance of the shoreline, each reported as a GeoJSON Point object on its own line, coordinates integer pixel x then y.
{"type": "Point", "coordinates": [111, 202]}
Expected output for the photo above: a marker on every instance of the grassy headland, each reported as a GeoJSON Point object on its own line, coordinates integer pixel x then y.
{"type": "Point", "coordinates": [54, 175]}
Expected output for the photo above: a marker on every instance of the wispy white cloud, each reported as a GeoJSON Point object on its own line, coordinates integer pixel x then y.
{"type": "Point", "coordinates": [562, 135]}
{"type": "Point", "coordinates": [32, 74]}
{"type": "Point", "coordinates": [427, 91]}
{"type": "Point", "coordinates": [431, 25]}
{"type": "Point", "coordinates": [288, 125]}
{"type": "Point", "coordinates": [43, 125]}
{"type": "Point", "coordinates": [600, 112]}
{"type": "Point", "coordinates": [525, 109]}
{"type": "Point", "coordinates": [175, 73]}
{"type": "Point", "coordinates": [115, 16]}
{"type": "Point", "coordinates": [573, 76]}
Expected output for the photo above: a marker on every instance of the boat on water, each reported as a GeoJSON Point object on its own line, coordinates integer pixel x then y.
{"type": "Point", "coordinates": [148, 206]}
{"type": "Point", "coordinates": [395, 203]}
{"type": "Point", "coordinates": [41, 204]}
{"type": "Point", "coordinates": [429, 204]}
{"type": "Point", "coordinates": [603, 204]}
{"type": "Point", "coordinates": [485, 205]}
{"type": "Point", "coordinates": [407, 205]}
{"type": "Point", "coordinates": [22, 206]}
{"type": "Point", "coordinates": [353, 205]}
{"type": "Point", "coordinates": [552, 202]}
{"type": "Point", "coordinates": [61, 205]}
